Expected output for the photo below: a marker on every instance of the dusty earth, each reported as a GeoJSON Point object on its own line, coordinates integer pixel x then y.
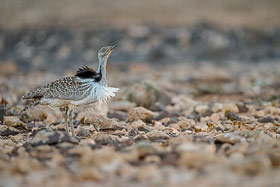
{"type": "Point", "coordinates": [206, 124]}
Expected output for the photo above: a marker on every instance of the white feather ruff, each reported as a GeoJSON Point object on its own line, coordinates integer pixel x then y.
{"type": "Point", "coordinates": [104, 93]}
{"type": "Point", "coordinates": [98, 92]}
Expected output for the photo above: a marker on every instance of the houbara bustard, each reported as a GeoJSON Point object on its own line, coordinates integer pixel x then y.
{"type": "Point", "coordinates": [86, 87]}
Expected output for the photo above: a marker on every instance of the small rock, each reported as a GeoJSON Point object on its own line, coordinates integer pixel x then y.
{"type": "Point", "coordinates": [83, 133]}
{"type": "Point", "coordinates": [201, 109]}
{"type": "Point", "coordinates": [231, 138]}
{"type": "Point", "coordinates": [17, 137]}
{"type": "Point", "coordinates": [215, 117]}
{"type": "Point", "coordinates": [230, 107]}
{"type": "Point", "coordinates": [218, 107]}
{"type": "Point", "coordinates": [89, 174]}
{"type": "Point", "coordinates": [89, 142]}
{"type": "Point", "coordinates": [101, 122]}
{"type": "Point", "coordinates": [232, 116]}
{"type": "Point", "coordinates": [172, 132]}
{"type": "Point", "coordinates": [242, 107]}
{"type": "Point", "coordinates": [139, 113]}
{"type": "Point", "coordinates": [6, 131]}
{"type": "Point", "coordinates": [14, 121]}
{"type": "Point", "coordinates": [196, 155]}
{"type": "Point", "coordinates": [201, 128]}
{"type": "Point", "coordinates": [266, 120]}
{"type": "Point", "coordinates": [122, 116]}
{"type": "Point", "coordinates": [152, 159]}
{"type": "Point", "coordinates": [137, 124]}
{"type": "Point", "coordinates": [50, 138]}
{"type": "Point", "coordinates": [105, 139]}
{"type": "Point", "coordinates": [157, 135]}
{"type": "Point", "coordinates": [186, 124]}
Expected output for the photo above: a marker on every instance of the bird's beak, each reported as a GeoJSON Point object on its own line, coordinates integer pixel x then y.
{"type": "Point", "coordinates": [110, 50]}
{"type": "Point", "coordinates": [113, 47]}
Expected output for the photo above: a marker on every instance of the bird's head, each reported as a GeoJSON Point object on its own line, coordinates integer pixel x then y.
{"type": "Point", "coordinates": [105, 52]}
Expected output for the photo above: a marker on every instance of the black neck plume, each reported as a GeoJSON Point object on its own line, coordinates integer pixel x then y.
{"type": "Point", "coordinates": [88, 73]}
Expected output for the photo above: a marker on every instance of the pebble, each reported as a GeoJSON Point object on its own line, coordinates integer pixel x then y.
{"type": "Point", "coordinates": [140, 113]}
{"type": "Point", "coordinates": [50, 138]}
{"type": "Point", "coordinates": [13, 121]}
{"type": "Point", "coordinates": [137, 124]}
{"type": "Point", "coordinates": [7, 131]}
{"type": "Point", "coordinates": [157, 135]}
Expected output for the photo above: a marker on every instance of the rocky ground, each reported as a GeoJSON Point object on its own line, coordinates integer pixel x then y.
{"type": "Point", "coordinates": [204, 124]}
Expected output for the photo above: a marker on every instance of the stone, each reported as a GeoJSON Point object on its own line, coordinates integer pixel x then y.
{"type": "Point", "coordinates": [14, 121]}
{"type": "Point", "coordinates": [7, 131]}
{"type": "Point", "coordinates": [231, 138]}
{"type": "Point", "coordinates": [137, 124]}
{"type": "Point", "coordinates": [122, 116]}
{"type": "Point", "coordinates": [140, 113]}
{"type": "Point", "coordinates": [172, 132]}
{"type": "Point", "coordinates": [82, 132]}
{"type": "Point", "coordinates": [50, 138]}
{"type": "Point", "coordinates": [232, 116]}
{"type": "Point", "coordinates": [186, 123]}
{"type": "Point", "coordinates": [157, 136]}
{"type": "Point", "coordinates": [101, 122]}
{"type": "Point", "coordinates": [201, 109]}
{"type": "Point", "coordinates": [196, 155]}
{"type": "Point", "coordinates": [201, 128]}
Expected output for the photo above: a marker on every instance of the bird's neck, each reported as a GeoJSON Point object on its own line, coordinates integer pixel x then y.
{"type": "Point", "coordinates": [102, 69]}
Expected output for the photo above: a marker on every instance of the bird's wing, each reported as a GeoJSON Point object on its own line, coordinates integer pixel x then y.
{"type": "Point", "coordinates": [67, 88]}
{"type": "Point", "coordinates": [36, 93]}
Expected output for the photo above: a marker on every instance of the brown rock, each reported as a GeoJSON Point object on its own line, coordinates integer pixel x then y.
{"type": "Point", "coordinates": [139, 113]}
{"type": "Point", "coordinates": [6, 131]}
{"type": "Point", "coordinates": [101, 122]}
{"type": "Point", "coordinates": [157, 135]}
{"type": "Point", "coordinates": [50, 138]}
{"type": "Point", "coordinates": [82, 132]}
{"type": "Point", "coordinates": [201, 128]}
{"type": "Point", "coordinates": [137, 124]}
{"type": "Point", "coordinates": [202, 109]}
{"type": "Point", "coordinates": [186, 123]}
{"type": "Point", "coordinates": [231, 138]}
{"type": "Point", "coordinates": [14, 121]}
{"type": "Point", "coordinates": [172, 132]}
{"type": "Point", "coordinates": [89, 173]}
{"type": "Point", "coordinates": [196, 155]}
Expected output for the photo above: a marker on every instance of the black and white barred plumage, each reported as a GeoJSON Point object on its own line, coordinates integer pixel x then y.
{"type": "Point", "coordinates": [86, 87]}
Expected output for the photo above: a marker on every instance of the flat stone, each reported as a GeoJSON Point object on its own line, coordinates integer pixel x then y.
{"type": "Point", "coordinates": [51, 138]}
{"type": "Point", "coordinates": [6, 131]}
{"type": "Point", "coordinates": [139, 113]}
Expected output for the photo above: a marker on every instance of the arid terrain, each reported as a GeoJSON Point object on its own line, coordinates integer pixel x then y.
{"type": "Point", "coordinates": [198, 103]}
{"type": "Point", "coordinates": [202, 125]}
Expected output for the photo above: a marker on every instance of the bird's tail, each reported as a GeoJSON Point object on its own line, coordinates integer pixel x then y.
{"type": "Point", "coordinates": [34, 102]}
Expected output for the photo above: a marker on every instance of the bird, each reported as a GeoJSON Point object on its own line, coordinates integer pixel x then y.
{"type": "Point", "coordinates": [87, 86]}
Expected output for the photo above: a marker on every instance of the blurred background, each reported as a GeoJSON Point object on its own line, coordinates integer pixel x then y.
{"type": "Point", "coordinates": [62, 35]}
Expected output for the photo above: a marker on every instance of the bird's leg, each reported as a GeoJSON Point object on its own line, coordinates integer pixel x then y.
{"type": "Point", "coordinates": [66, 120]}
{"type": "Point", "coordinates": [71, 121]}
